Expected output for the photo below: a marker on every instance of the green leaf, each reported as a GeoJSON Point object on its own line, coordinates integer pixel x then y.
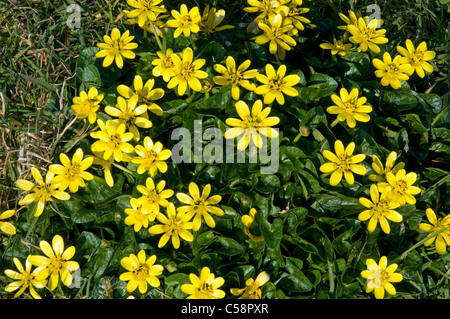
{"type": "Point", "coordinates": [230, 247]}
{"type": "Point", "coordinates": [295, 281]}
{"type": "Point", "coordinates": [266, 183]}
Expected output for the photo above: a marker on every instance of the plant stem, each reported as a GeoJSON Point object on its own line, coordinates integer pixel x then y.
{"type": "Point", "coordinates": [156, 35]}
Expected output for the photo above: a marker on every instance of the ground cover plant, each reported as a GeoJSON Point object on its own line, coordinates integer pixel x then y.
{"type": "Point", "coordinates": [224, 149]}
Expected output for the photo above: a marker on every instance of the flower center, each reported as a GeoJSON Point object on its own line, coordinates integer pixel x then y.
{"type": "Point", "coordinates": [142, 272]}
{"type": "Point", "coordinates": [351, 105]}
{"type": "Point", "coordinates": [153, 197]}
{"type": "Point", "coordinates": [400, 187]}
{"type": "Point", "coordinates": [150, 156]}
{"type": "Point", "coordinates": [74, 171]}
{"type": "Point", "coordinates": [55, 264]}
{"type": "Point", "coordinates": [114, 141]}
{"type": "Point", "coordinates": [344, 162]}
{"type": "Point", "coordinates": [276, 83]}
{"type": "Point", "coordinates": [204, 290]}
{"type": "Point", "coordinates": [392, 69]}
{"type": "Point", "coordinates": [186, 21]}
{"type": "Point", "coordinates": [417, 58]}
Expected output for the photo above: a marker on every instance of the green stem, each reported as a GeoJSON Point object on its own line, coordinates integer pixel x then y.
{"type": "Point", "coordinates": [191, 39]}
{"type": "Point", "coordinates": [156, 35]}
{"type": "Point", "coordinates": [335, 122]}
{"type": "Point", "coordinates": [445, 110]}
{"type": "Point", "coordinates": [402, 256]}
{"type": "Point", "coordinates": [126, 170]}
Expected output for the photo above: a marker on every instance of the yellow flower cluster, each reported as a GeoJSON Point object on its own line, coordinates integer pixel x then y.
{"type": "Point", "coordinates": [55, 266]}
{"type": "Point", "coordinates": [279, 21]}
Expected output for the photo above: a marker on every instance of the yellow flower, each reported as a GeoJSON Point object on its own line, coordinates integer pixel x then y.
{"type": "Point", "coordinates": [443, 238]}
{"type": "Point", "coordinates": [139, 214]}
{"type": "Point", "coordinates": [145, 93]}
{"type": "Point", "coordinates": [174, 226]}
{"type": "Point", "coordinates": [116, 47]}
{"type": "Point", "coordinates": [185, 21]}
{"type": "Point", "coordinates": [379, 277]}
{"type": "Point", "coordinates": [24, 279]}
{"type": "Point", "coordinates": [145, 10]}
{"type": "Point", "coordinates": [72, 173]}
{"type": "Point", "coordinates": [185, 72]}
{"type": "Point", "coordinates": [417, 58]}
{"type": "Point", "coordinates": [276, 31]}
{"type": "Point", "coordinates": [380, 209]}
{"type": "Point", "coordinates": [343, 163]}
{"type": "Point", "coordinates": [87, 104]}
{"type": "Point", "coordinates": [337, 47]}
{"type": "Point", "coordinates": [236, 77]}
{"type": "Point", "coordinates": [163, 65]}
{"type": "Point", "coordinates": [391, 71]}
{"type": "Point", "coordinates": [367, 36]}
{"type": "Point", "coordinates": [381, 171]}
{"type": "Point", "coordinates": [266, 7]}
{"type": "Point", "coordinates": [151, 157]}
{"type": "Point", "coordinates": [247, 220]}
{"type": "Point", "coordinates": [402, 190]}
{"type": "Point", "coordinates": [150, 26]}
{"type": "Point", "coordinates": [349, 107]}
{"type": "Point", "coordinates": [6, 226]}
{"type": "Point", "coordinates": [153, 197]}
{"type": "Point", "coordinates": [131, 114]}
{"type": "Point", "coordinates": [57, 265]}
{"type": "Point", "coordinates": [211, 19]}
{"type": "Point", "coordinates": [43, 191]}
{"type": "Point", "coordinates": [199, 205]}
{"type": "Point", "coordinates": [295, 16]}
{"type": "Point", "coordinates": [352, 19]}
{"type": "Point", "coordinates": [252, 288]}
{"type": "Point", "coordinates": [112, 140]}
{"type": "Point", "coordinates": [251, 125]}
{"type": "Point", "coordinates": [205, 287]}
{"type": "Point", "coordinates": [141, 272]}
{"type": "Point", "coordinates": [275, 84]}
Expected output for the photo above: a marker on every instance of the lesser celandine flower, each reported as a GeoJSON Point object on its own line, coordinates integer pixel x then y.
{"type": "Point", "coordinates": [151, 157]}
{"type": "Point", "coordinates": [42, 191]}
{"type": "Point", "coordinates": [87, 104]}
{"type": "Point", "coordinates": [252, 288]}
{"type": "Point", "coordinates": [277, 33]}
{"type": "Point", "coordinates": [173, 226]}
{"type": "Point", "coordinates": [200, 205]}
{"type": "Point", "coordinates": [139, 214]}
{"type": "Point", "coordinates": [146, 94]}
{"type": "Point", "coordinates": [294, 15]}
{"type": "Point", "coordinates": [154, 196]}
{"type": "Point", "coordinates": [275, 84]}
{"type": "Point", "coordinates": [380, 209]}
{"type": "Point", "coordinates": [72, 173]}
{"type": "Point", "coordinates": [163, 65]}
{"type": "Point", "coordinates": [205, 287]}
{"type": "Point", "coordinates": [131, 114]}
{"type": "Point", "coordinates": [237, 77]}
{"type": "Point", "coordinates": [247, 220]}
{"type": "Point", "coordinates": [381, 171]}
{"type": "Point", "coordinates": [24, 278]}
{"type": "Point", "coordinates": [251, 125]}
{"type": "Point", "coordinates": [141, 272]}
{"type": "Point", "coordinates": [116, 48]}
{"type": "Point", "coordinates": [145, 10]}
{"type": "Point", "coordinates": [343, 163]}
{"type": "Point", "coordinates": [391, 71]}
{"type": "Point", "coordinates": [211, 19]}
{"type": "Point", "coordinates": [112, 140]}
{"type": "Point", "coordinates": [417, 58]}
{"type": "Point", "coordinates": [7, 227]}
{"type": "Point", "coordinates": [443, 238]}
{"type": "Point", "coordinates": [338, 47]}
{"type": "Point", "coordinates": [379, 277]}
{"type": "Point", "coordinates": [185, 72]}
{"type": "Point", "coordinates": [402, 187]}
{"type": "Point", "coordinates": [350, 107]}
{"type": "Point", "coordinates": [263, 7]}
{"type": "Point", "coordinates": [185, 21]}
{"type": "Point", "coordinates": [367, 35]}
{"type": "Point", "coordinates": [56, 263]}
